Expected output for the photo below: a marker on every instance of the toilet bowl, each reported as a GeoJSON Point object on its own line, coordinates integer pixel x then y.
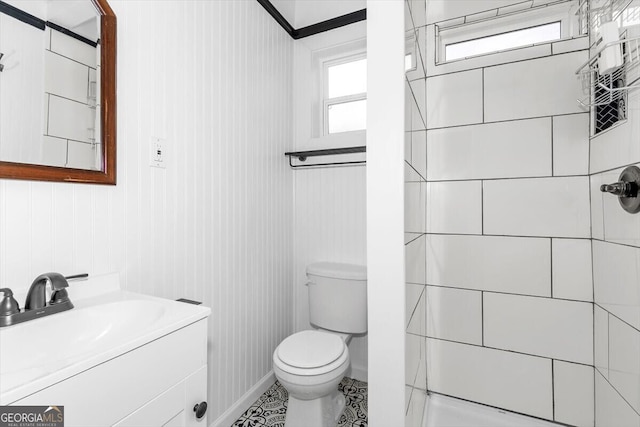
{"type": "Point", "coordinates": [310, 364]}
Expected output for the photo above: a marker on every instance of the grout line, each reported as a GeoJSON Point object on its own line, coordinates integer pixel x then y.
{"type": "Point", "coordinates": [502, 64]}
{"type": "Point", "coordinates": [616, 317]}
{"type": "Point", "coordinates": [502, 349]}
{"type": "Point", "coordinates": [482, 316]}
{"type": "Point", "coordinates": [482, 207]}
{"type": "Point", "coordinates": [510, 178]}
{"type": "Point", "coordinates": [519, 236]}
{"type": "Point", "coordinates": [518, 119]}
{"type": "Point", "coordinates": [613, 169]}
{"type": "Point", "coordinates": [553, 392]}
{"type": "Point", "coordinates": [502, 293]}
{"type": "Point", "coordinates": [551, 265]}
{"type": "Point", "coordinates": [618, 392]}
{"type": "Point", "coordinates": [483, 100]}
{"type": "Point", "coordinates": [615, 243]}
{"type": "Point", "coordinates": [553, 172]}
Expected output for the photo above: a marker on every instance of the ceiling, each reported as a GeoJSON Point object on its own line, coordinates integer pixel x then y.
{"type": "Point", "coordinates": [302, 13]}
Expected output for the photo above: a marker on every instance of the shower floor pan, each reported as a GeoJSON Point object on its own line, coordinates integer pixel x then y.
{"type": "Point", "coordinates": [444, 411]}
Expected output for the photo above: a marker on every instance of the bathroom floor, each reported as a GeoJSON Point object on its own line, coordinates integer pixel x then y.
{"type": "Point", "coordinates": [270, 408]}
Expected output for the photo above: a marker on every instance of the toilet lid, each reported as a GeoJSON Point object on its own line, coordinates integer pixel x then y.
{"type": "Point", "coordinates": [310, 349]}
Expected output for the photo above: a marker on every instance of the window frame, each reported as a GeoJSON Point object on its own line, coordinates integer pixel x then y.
{"type": "Point", "coordinates": [326, 101]}
{"type": "Point", "coordinates": [460, 30]}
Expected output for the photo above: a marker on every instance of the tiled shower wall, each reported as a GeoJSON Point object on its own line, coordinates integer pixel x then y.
{"type": "Point", "coordinates": [415, 185]}
{"type": "Point", "coordinates": [213, 78]}
{"type": "Point", "coordinates": [616, 271]}
{"type": "Point", "coordinates": [503, 221]}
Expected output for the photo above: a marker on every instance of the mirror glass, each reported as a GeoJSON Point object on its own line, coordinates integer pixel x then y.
{"type": "Point", "coordinates": [51, 84]}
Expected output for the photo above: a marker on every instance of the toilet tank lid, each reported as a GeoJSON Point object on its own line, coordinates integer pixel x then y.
{"type": "Point", "coordinates": [336, 270]}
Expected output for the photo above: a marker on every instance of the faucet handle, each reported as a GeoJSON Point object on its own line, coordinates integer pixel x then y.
{"type": "Point", "coordinates": [8, 305]}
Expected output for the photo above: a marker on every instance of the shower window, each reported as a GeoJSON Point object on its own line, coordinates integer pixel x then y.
{"type": "Point", "coordinates": [499, 42]}
{"type": "Point", "coordinates": [345, 94]}
{"type": "Point", "coordinates": [505, 28]}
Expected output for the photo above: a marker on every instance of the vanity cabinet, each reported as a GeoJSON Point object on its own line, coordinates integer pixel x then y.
{"type": "Point", "coordinates": [156, 384]}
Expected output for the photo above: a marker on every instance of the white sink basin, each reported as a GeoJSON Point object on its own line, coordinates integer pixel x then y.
{"type": "Point", "coordinates": [38, 353]}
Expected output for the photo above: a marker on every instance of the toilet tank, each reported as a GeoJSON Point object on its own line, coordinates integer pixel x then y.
{"type": "Point", "coordinates": [338, 297]}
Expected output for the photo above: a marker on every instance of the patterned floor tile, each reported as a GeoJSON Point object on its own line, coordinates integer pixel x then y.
{"type": "Point", "coordinates": [270, 408]}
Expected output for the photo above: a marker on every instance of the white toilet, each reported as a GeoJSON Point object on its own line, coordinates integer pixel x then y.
{"type": "Point", "coordinates": [311, 364]}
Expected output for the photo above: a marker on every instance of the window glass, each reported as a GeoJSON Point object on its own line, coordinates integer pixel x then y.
{"type": "Point", "coordinates": [347, 116]}
{"type": "Point", "coordinates": [346, 79]}
{"type": "Point", "coordinates": [498, 42]}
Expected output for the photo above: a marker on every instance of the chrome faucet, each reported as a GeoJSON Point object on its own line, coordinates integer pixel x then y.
{"type": "Point", "coordinates": [36, 305]}
{"type": "Point", "coordinates": [37, 295]}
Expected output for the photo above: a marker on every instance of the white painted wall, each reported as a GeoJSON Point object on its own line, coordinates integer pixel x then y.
{"type": "Point", "coordinates": [385, 211]}
{"type": "Point", "coordinates": [329, 203]}
{"type": "Point", "coordinates": [213, 78]}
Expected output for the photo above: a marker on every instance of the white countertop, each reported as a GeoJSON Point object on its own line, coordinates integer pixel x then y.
{"type": "Point", "coordinates": [105, 323]}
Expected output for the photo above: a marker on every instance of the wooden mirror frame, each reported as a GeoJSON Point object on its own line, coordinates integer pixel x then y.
{"type": "Point", "coordinates": [108, 39]}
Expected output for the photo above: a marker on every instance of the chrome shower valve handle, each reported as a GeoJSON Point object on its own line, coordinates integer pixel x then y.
{"type": "Point", "coordinates": [626, 189]}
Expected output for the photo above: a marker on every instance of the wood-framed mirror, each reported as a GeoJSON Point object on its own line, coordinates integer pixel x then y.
{"type": "Point", "coordinates": [53, 128]}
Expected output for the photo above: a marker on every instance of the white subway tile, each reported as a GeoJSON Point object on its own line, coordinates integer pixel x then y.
{"type": "Point", "coordinates": [419, 12]}
{"type": "Point", "coordinates": [571, 145]}
{"type": "Point", "coordinates": [615, 280]}
{"type": "Point", "coordinates": [54, 151]}
{"type": "Point", "coordinates": [497, 150]}
{"type": "Point", "coordinates": [415, 357]}
{"type": "Point", "coordinates": [501, 264]}
{"type": "Point", "coordinates": [409, 105]}
{"type": "Point", "coordinates": [415, 408]}
{"type": "Point", "coordinates": [410, 174]}
{"type": "Point", "coordinates": [442, 10]}
{"type": "Point", "coordinates": [417, 324]}
{"type": "Point", "coordinates": [69, 119]}
{"type": "Point", "coordinates": [74, 49]}
{"type": "Point", "coordinates": [572, 273]}
{"type": "Point", "coordinates": [619, 225]}
{"type": "Point", "coordinates": [555, 207]}
{"type": "Point", "coordinates": [454, 99]}
{"type": "Point", "coordinates": [66, 78]}
{"type": "Point", "coordinates": [418, 107]}
{"type": "Point", "coordinates": [570, 45]}
{"type": "Point", "coordinates": [601, 340]}
{"type": "Point", "coordinates": [541, 326]}
{"type": "Point", "coordinates": [611, 409]}
{"type": "Point", "coordinates": [419, 152]}
{"type": "Point", "coordinates": [504, 379]}
{"type": "Point", "coordinates": [454, 314]}
{"type": "Point", "coordinates": [415, 261]}
{"type": "Point", "coordinates": [454, 207]}
{"type": "Point", "coordinates": [413, 294]}
{"type": "Point", "coordinates": [540, 87]}
{"type": "Point", "coordinates": [573, 390]}
{"type": "Point", "coordinates": [81, 155]}
{"type": "Point", "coordinates": [415, 204]}
{"type": "Point", "coordinates": [407, 146]}
{"type": "Point", "coordinates": [597, 206]}
{"type": "Point", "coordinates": [624, 360]}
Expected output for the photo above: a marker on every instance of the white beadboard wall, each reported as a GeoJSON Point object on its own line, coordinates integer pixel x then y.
{"type": "Point", "coordinates": [329, 202]}
{"type": "Point", "coordinates": [616, 271]}
{"type": "Point", "coordinates": [213, 78]}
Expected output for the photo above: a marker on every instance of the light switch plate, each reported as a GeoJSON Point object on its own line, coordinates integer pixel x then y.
{"type": "Point", "coordinates": [157, 153]}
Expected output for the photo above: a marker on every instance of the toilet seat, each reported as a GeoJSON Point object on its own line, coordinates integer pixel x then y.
{"type": "Point", "coordinates": [311, 353]}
